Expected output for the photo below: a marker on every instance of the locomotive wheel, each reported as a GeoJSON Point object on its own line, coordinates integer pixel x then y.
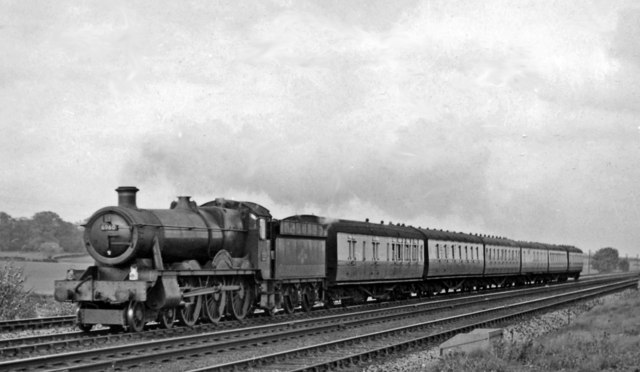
{"type": "Point", "coordinates": [307, 299]}
{"type": "Point", "coordinates": [190, 312]}
{"type": "Point", "coordinates": [287, 304]}
{"type": "Point", "coordinates": [135, 316]}
{"type": "Point", "coordinates": [291, 300]}
{"type": "Point", "coordinates": [166, 317]}
{"type": "Point", "coordinates": [240, 301]}
{"type": "Point", "coordinates": [214, 305]}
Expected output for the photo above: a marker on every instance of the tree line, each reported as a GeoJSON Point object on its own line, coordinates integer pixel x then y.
{"type": "Point", "coordinates": [44, 232]}
{"type": "Point", "coordinates": [607, 259]}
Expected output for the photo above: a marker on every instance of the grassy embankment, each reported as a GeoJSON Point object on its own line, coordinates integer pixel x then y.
{"type": "Point", "coordinates": [605, 338]}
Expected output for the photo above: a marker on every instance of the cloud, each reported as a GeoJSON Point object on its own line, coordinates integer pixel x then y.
{"type": "Point", "coordinates": [326, 166]}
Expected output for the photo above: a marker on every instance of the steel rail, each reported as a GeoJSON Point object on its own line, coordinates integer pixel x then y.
{"type": "Point", "coordinates": [291, 360]}
{"type": "Point", "coordinates": [121, 356]}
{"type": "Point", "coordinates": [55, 342]}
{"type": "Point", "coordinates": [35, 323]}
{"type": "Point", "coordinates": [13, 348]}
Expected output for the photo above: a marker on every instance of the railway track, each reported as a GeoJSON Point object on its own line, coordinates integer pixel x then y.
{"type": "Point", "coordinates": [146, 350]}
{"type": "Point", "coordinates": [351, 351]}
{"type": "Point", "coordinates": [36, 323]}
{"type": "Point", "coordinates": [44, 344]}
{"type": "Point", "coordinates": [69, 320]}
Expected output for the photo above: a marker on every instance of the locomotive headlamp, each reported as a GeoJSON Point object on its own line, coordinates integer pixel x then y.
{"type": "Point", "coordinates": [133, 272]}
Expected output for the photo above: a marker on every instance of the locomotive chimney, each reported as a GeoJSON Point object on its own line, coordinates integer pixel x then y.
{"type": "Point", "coordinates": [127, 196]}
{"type": "Point", "coordinates": [184, 202]}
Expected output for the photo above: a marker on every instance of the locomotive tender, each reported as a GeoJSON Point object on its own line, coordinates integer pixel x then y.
{"type": "Point", "coordinates": [226, 258]}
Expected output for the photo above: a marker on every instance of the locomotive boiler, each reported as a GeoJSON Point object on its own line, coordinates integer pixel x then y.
{"type": "Point", "coordinates": [125, 234]}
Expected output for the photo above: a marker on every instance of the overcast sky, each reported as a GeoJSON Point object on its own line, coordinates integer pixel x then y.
{"type": "Point", "coordinates": [509, 118]}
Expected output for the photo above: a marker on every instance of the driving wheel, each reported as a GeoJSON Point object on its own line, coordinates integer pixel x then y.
{"type": "Point", "coordinates": [214, 305]}
{"type": "Point", "coordinates": [240, 300]}
{"type": "Point", "coordinates": [135, 316]}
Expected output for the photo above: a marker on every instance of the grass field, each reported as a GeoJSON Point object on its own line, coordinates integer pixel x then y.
{"type": "Point", "coordinates": [605, 338]}
{"type": "Point", "coordinates": [41, 275]}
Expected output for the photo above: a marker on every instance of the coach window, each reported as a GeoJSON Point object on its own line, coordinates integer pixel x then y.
{"type": "Point", "coordinates": [453, 252]}
{"type": "Point", "coordinates": [375, 250]}
{"type": "Point", "coordinates": [438, 251]}
{"type": "Point", "coordinates": [364, 248]}
{"type": "Point", "coordinates": [388, 255]}
{"type": "Point", "coordinates": [374, 255]}
{"type": "Point", "coordinates": [460, 252]}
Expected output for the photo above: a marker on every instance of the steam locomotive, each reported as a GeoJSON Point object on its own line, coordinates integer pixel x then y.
{"type": "Point", "coordinates": [226, 258]}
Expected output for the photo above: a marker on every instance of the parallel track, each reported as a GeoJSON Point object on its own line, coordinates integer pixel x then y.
{"type": "Point", "coordinates": [352, 351]}
{"type": "Point", "coordinates": [36, 323]}
{"type": "Point", "coordinates": [146, 351]}
{"type": "Point", "coordinates": [69, 320]}
{"type": "Point", "coordinates": [46, 344]}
